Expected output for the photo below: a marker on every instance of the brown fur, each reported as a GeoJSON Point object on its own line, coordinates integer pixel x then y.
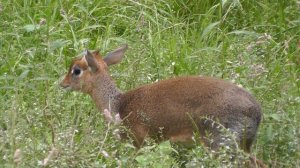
{"type": "Point", "coordinates": [170, 109]}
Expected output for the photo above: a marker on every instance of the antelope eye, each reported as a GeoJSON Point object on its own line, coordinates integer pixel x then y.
{"type": "Point", "coordinates": [77, 71]}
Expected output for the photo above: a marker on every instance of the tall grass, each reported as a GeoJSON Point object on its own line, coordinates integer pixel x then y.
{"type": "Point", "coordinates": [252, 43]}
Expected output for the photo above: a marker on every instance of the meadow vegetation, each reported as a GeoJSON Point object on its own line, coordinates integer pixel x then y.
{"type": "Point", "coordinates": [253, 43]}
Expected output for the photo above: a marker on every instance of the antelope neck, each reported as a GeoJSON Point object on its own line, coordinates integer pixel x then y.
{"type": "Point", "coordinates": [105, 94]}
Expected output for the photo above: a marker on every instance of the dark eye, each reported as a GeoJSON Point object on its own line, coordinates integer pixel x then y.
{"type": "Point", "coordinates": [77, 71]}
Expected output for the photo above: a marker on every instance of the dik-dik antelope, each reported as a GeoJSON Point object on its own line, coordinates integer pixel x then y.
{"type": "Point", "coordinates": [172, 109]}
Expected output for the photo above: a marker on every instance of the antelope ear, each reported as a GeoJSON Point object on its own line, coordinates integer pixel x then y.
{"type": "Point", "coordinates": [91, 61]}
{"type": "Point", "coordinates": [115, 56]}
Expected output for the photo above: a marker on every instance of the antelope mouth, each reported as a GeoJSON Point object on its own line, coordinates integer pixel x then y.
{"type": "Point", "coordinates": [65, 87]}
{"type": "Point", "coordinates": [68, 88]}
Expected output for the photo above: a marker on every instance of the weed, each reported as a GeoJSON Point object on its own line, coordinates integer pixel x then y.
{"type": "Point", "coordinates": [253, 43]}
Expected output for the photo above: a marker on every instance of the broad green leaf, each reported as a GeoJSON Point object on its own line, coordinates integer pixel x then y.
{"type": "Point", "coordinates": [31, 27]}
{"type": "Point", "coordinates": [208, 29]}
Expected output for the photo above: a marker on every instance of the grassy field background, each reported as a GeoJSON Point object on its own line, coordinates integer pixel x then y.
{"type": "Point", "coordinates": [255, 44]}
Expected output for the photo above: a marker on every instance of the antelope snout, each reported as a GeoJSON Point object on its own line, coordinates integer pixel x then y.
{"type": "Point", "coordinates": [64, 84]}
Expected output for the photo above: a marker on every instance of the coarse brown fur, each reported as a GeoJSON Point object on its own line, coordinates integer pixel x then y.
{"type": "Point", "coordinates": [170, 109]}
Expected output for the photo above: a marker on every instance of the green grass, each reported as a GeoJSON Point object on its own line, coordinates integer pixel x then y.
{"type": "Point", "coordinates": [253, 43]}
